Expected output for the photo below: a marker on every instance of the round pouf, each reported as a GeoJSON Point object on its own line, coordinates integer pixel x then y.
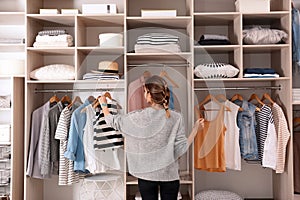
{"type": "Point", "coordinates": [217, 195]}
{"type": "Point", "coordinates": [102, 187]}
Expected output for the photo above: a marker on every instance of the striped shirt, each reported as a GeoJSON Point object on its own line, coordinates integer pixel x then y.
{"type": "Point", "coordinates": [157, 39]}
{"type": "Point", "coordinates": [66, 175]}
{"type": "Point", "coordinates": [283, 135]}
{"type": "Point", "coordinates": [266, 137]}
{"type": "Point", "coordinates": [106, 137]}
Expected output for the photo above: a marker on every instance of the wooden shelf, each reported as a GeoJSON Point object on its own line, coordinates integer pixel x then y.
{"type": "Point", "coordinates": [58, 20]}
{"type": "Point", "coordinates": [215, 48]}
{"type": "Point", "coordinates": [268, 48]}
{"type": "Point", "coordinates": [242, 79]}
{"type": "Point", "coordinates": [102, 20]}
{"type": "Point", "coordinates": [159, 56]}
{"type": "Point", "coordinates": [213, 19]}
{"type": "Point", "coordinates": [53, 50]}
{"type": "Point", "coordinates": [12, 47]}
{"type": "Point", "coordinates": [15, 18]}
{"type": "Point", "coordinates": [164, 22]}
{"type": "Point", "coordinates": [5, 109]}
{"type": "Point", "coordinates": [102, 50]}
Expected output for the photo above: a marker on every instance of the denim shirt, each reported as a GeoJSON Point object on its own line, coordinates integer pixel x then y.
{"type": "Point", "coordinates": [246, 123]}
{"type": "Point", "coordinates": [75, 150]}
{"type": "Point", "coordinates": [296, 35]}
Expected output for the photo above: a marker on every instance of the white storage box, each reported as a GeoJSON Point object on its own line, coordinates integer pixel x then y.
{"type": "Point", "coordinates": [252, 6]}
{"type": "Point", "coordinates": [12, 67]}
{"type": "Point", "coordinates": [110, 39]}
{"type": "Point", "coordinates": [99, 9]}
{"type": "Point", "coordinates": [4, 133]}
{"type": "Point", "coordinates": [158, 13]}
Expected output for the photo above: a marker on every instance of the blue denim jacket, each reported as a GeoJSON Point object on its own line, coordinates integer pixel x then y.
{"type": "Point", "coordinates": [75, 150]}
{"type": "Point", "coordinates": [296, 35]}
{"type": "Point", "coordinates": [246, 123]}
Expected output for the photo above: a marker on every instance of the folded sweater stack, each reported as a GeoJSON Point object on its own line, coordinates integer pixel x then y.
{"type": "Point", "coordinates": [53, 38]}
{"type": "Point", "coordinates": [260, 73]}
{"type": "Point", "coordinates": [157, 43]}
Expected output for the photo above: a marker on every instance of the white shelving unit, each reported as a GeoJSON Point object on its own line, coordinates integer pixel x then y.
{"type": "Point", "coordinates": [195, 17]}
{"type": "Point", "coordinates": [12, 25]}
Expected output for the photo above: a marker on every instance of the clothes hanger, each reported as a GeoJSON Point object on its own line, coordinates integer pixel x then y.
{"type": "Point", "coordinates": [237, 96]}
{"type": "Point", "coordinates": [163, 73]}
{"type": "Point", "coordinates": [76, 99]}
{"type": "Point", "coordinates": [66, 100]}
{"type": "Point", "coordinates": [255, 97]}
{"type": "Point", "coordinates": [147, 74]}
{"type": "Point", "coordinates": [208, 98]}
{"type": "Point", "coordinates": [96, 103]}
{"type": "Point", "coordinates": [266, 96]}
{"type": "Point", "coordinates": [54, 99]}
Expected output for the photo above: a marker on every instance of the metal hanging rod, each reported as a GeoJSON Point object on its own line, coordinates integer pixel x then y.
{"type": "Point", "coordinates": [74, 90]}
{"type": "Point", "coordinates": [160, 65]}
{"type": "Point", "coordinates": [241, 88]}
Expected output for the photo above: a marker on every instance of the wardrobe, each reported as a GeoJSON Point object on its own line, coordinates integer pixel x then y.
{"type": "Point", "coordinates": [194, 18]}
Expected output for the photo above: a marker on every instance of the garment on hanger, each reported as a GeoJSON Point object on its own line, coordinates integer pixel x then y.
{"type": "Point", "coordinates": [266, 137]}
{"type": "Point", "coordinates": [49, 146]}
{"type": "Point", "coordinates": [97, 161]}
{"type": "Point", "coordinates": [231, 145]}
{"type": "Point", "coordinates": [136, 99]}
{"type": "Point", "coordinates": [209, 152]}
{"type": "Point", "coordinates": [66, 175]}
{"type": "Point", "coordinates": [106, 137]}
{"type": "Point", "coordinates": [75, 151]}
{"type": "Point", "coordinates": [33, 168]}
{"type": "Point", "coordinates": [283, 135]}
{"type": "Point", "coordinates": [295, 38]}
{"type": "Point", "coordinates": [296, 160]}
{"type": "Point", "coordinates": [246, 123]}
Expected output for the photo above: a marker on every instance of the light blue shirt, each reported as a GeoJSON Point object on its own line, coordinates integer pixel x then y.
{"type": "Point", "coordinates": [75, 150]}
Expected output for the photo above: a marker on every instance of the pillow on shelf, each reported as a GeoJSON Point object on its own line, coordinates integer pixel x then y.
{"type": "Point", "coordinates": [217, 195]}
{"type": "Point", "coordinates": [215, 70]}
{"type": "Point", "coordinates": [54, 72]}
{"type": "Point", "coordinates": [259, 35]}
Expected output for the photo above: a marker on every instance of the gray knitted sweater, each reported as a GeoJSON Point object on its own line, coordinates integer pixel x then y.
{"type": "Point", "coordinates": [153, 142]}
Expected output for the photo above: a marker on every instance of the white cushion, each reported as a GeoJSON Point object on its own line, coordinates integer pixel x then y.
{"type": "Point", "coordinates": [54, 72]}
{"type": "Point", "coordinates": [215, 70]}
{"type": "Point", "coordinates": [259, 35]}
{"type": "Point", "coordinates": [217, 195]}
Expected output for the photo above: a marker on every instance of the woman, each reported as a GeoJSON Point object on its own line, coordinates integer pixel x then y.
{"type": "Point", "coordinates": [155, 139]}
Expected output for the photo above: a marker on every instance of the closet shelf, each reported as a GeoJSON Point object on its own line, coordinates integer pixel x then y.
{"type": "Point", "coordinates": [102, 50]}
{"type": "Point", "coordinates": [184, 56]}
{"type": "Point", "coordinates": [51, 81]}
{"type": "Point", "coordinates": [108, 20]}
{"type": "Point", "coordinates": [215, 48]}
{"type": "Point", "coordinates": [242, 79]}
{"type": "Point", "coordinates": [264, 48]}
{"type": "Point", "coordinates": [16, 18]}
{"type": "Point", "coordinates": [211, 18]}
{"type": "Point", "coordinates": [12, 47]}
{"type": "Point", "coordinates": [268, 15]}
{"type": "Point", "coordinates": [165, 22]}
{"type": "Point", "coordinates": [296, 102]}
{"type": "Point", "coordinates": [53, 50]}
{"type": "Point", "coordinates": [99, 82]}
{"type": "Point", "coordinates": [58, 20]}
{"type": "Point", "coordinates": [5, 109]}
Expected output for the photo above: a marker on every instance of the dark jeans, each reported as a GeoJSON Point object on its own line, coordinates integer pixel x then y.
{"type": "Point", "coordinates": [149, 189]}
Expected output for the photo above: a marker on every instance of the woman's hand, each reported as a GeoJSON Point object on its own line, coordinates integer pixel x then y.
{"type": "Point", "coordinates": [199, 125]}
{"type": "Point", "coordinates": [102, 100]}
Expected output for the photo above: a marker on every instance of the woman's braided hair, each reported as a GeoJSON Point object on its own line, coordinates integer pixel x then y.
{"type": "Point", "coordinates": [159, 91]}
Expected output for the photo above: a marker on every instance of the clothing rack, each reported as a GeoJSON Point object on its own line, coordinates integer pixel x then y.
{"type": "Point", "coordinates": [160, 65]}
{"type": "Point", "coordinates": [241, 88]}
{"type": "Point", "coordinates": [74, 90]}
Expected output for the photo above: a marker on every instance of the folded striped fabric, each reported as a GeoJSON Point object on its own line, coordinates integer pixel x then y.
{"type": "Point", "coordinates": [157, 39]}
{"type": "Point", "coordinates": [106, 137]}
{"type": "Point", "coordinates": [52, 32]}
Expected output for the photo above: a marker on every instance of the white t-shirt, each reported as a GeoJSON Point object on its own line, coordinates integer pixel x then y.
{"type": "Point", "coordinates": [232, 146]}
{"type": "Point", "coordinates": [97, 161]}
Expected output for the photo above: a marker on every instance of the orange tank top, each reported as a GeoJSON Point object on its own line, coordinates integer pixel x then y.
{"type": "Point", "coordinates": [209, 151]}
